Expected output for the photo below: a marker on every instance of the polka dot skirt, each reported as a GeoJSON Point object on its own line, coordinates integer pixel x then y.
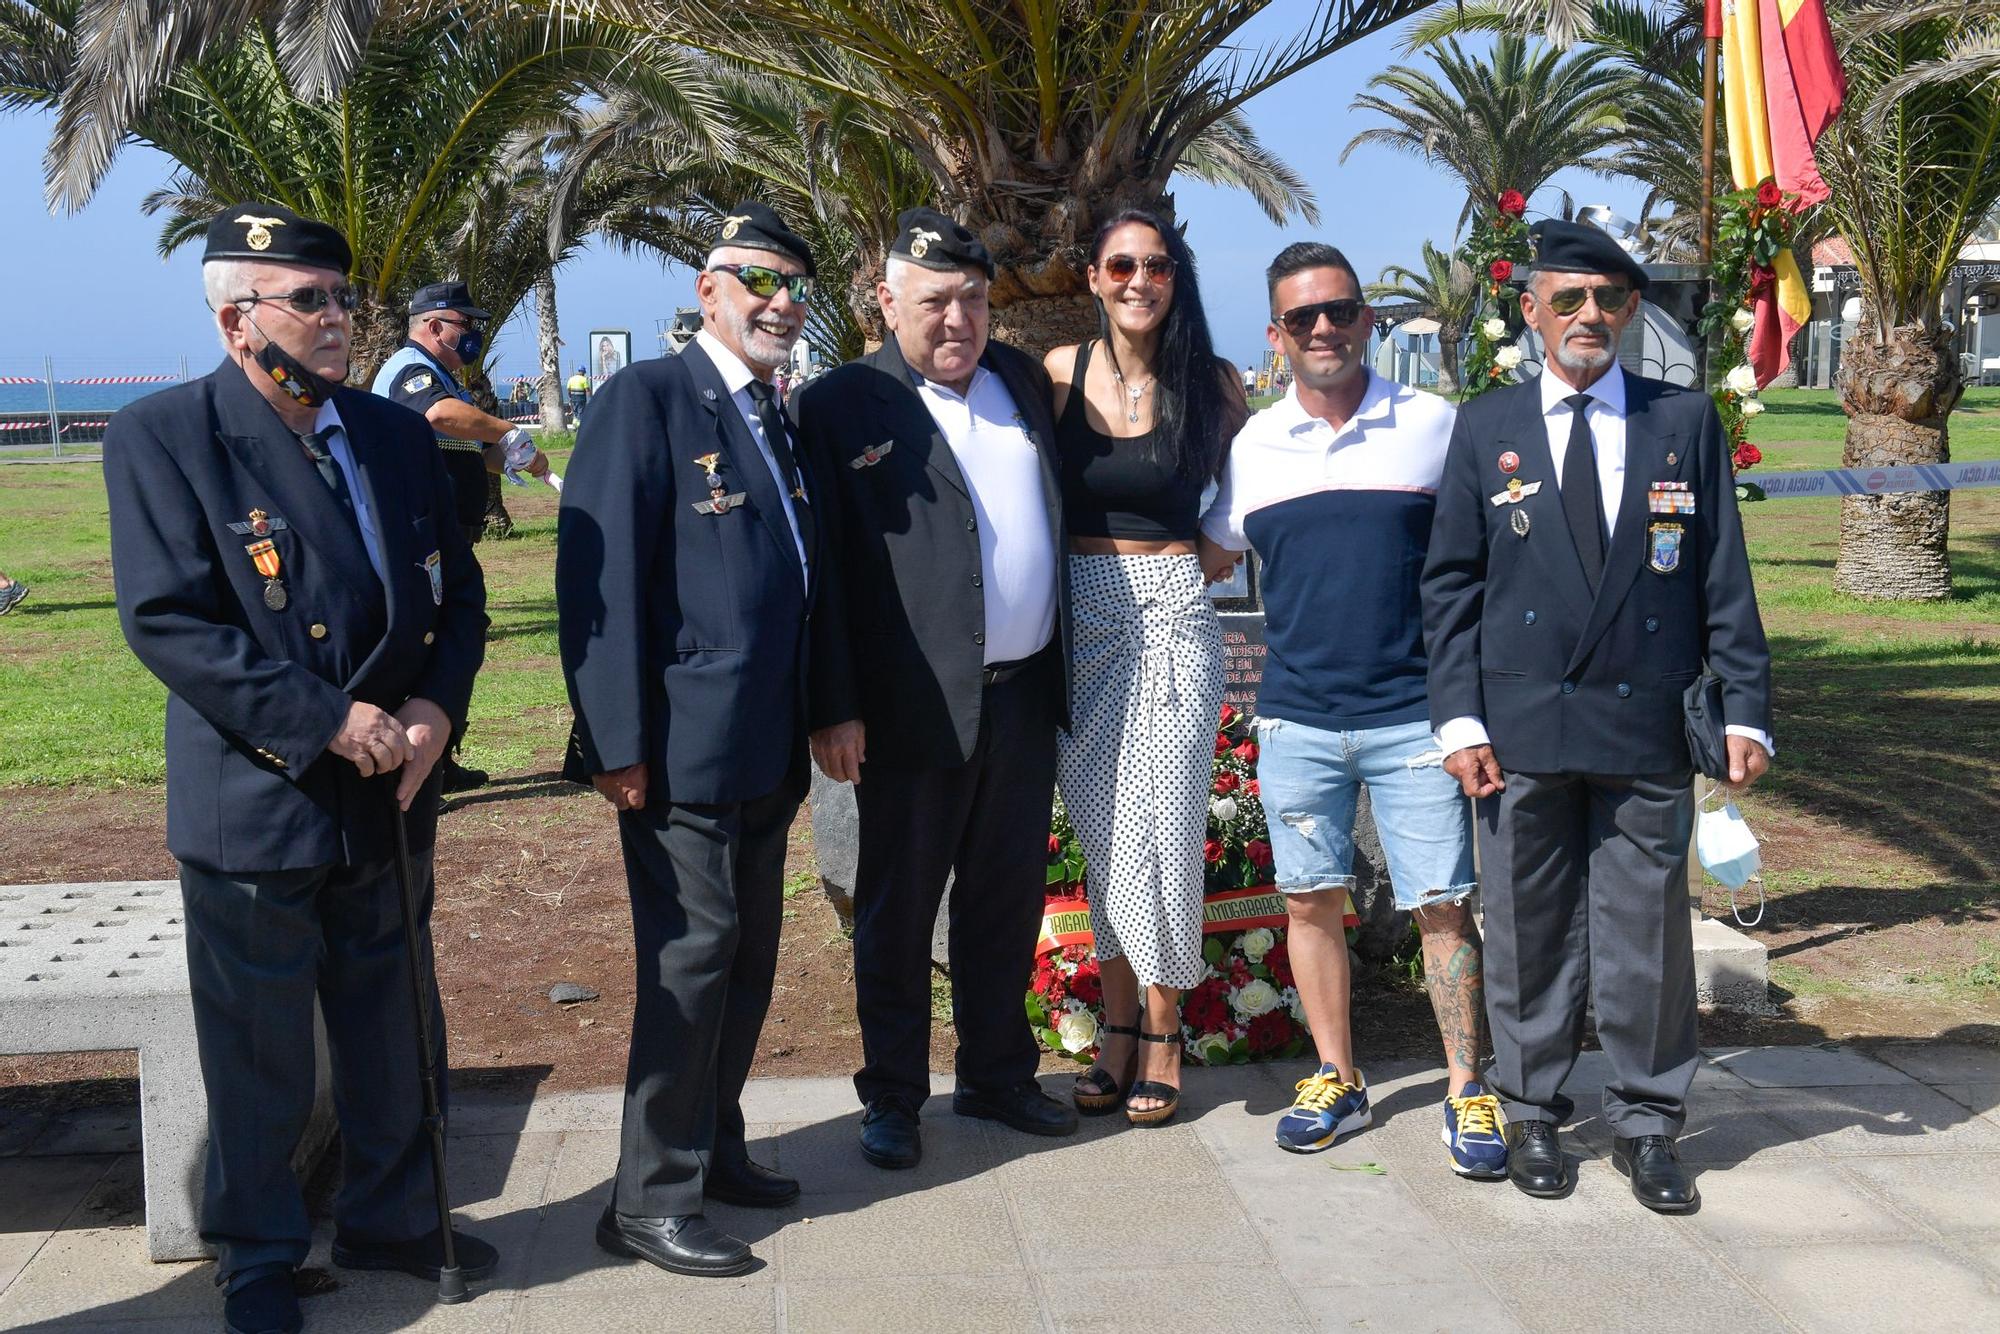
{"type": "Point", "coordinates": [1138, 759]}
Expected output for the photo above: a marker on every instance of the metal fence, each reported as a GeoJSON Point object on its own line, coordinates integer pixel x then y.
{"type": "Point", "coordinates": [58, 410]}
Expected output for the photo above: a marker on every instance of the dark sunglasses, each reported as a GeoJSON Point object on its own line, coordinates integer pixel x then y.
{"type": "Point", "coordinates": [764, 283]}
{"type": "Point", "coordinates": [1611, 298]}
{"type": "Point", "coordinates": [1300, 321]}
{"type": "Point", "coordinates": [307, 300]}
{"type": "Point", "coordinates": [1121, 268]}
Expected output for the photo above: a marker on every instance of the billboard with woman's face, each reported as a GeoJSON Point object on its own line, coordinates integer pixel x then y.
{"type": "Point", "coordinates": [610, 352]}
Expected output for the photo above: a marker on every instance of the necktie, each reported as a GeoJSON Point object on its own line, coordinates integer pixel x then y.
{"type": "Point", "coordinates": [1583, 502]}
{"type": "Point", "coordinates": [778, 435]}
{"type": "Point", "coordinates": [321, 454]}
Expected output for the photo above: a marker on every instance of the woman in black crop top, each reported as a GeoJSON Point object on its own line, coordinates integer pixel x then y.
{"type": "Point", "coordinates": [1144, 416]}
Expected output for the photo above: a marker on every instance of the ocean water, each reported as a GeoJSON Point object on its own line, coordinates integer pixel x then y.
{"type": "Point", "coordinates": [18, 398]}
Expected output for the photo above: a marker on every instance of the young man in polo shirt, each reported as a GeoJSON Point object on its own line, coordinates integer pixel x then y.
{"type": "Point", "coordinates": [1334, 486]}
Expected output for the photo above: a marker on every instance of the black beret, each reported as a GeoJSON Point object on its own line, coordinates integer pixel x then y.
{"type": "Point", "coordinates": [1576, 247]}
{"type": "Point", "coordinates": [446, 296]}
{"type": "Point", "coordinates": [754, 226]}
{"type": "Point", "coordinates": [928, 238]}
{"type": "Point", "coordinates": [273, 232]}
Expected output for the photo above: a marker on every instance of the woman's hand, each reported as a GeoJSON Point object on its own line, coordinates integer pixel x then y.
{"type": "Point", "coordinates": [1217, 562]}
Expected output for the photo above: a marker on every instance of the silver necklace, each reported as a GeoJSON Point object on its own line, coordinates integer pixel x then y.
{"type": "Point", "coordinates": [1133, 392]}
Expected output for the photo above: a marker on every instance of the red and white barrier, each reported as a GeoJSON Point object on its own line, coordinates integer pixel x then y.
{"type": "Point", "coordinates": [18, 379]}
{"type": "Point", "coordinates": [119, 379]}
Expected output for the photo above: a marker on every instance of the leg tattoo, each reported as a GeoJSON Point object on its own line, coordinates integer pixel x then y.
{"type": "Point", "coordinates": [1454, 979]}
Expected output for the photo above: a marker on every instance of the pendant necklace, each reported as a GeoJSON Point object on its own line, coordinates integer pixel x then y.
{"type": "Point", "coordinates": [1132, 392]}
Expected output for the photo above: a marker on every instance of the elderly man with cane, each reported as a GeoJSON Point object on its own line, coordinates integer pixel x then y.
{"type": "Point", "coordinates": [288, 564]}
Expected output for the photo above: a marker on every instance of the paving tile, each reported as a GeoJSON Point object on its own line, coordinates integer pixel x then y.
{"type": "Point", "coordinates": [1123, 1155]}
{"type": "Point", "coordinates": [564, 1260]}
{"type": "Point", "coordinates": [995, 1304]}
{"type": "Point", "coordinates": [1981, 1098]}
{"type": "Point", "coordinates": [1785, 1203]}
{"type": "Point", "coordinates": [1172, 1223]}
{"type": "Point", "coordinates": [1490, 1217]}
{"type": "Point", "coordinates": [1328, 1228]}
{"type": "Point", "coordinates": [103, 1274]}
{"type": "Point", "coordinates": [961, 1231]}
{"type": "Point", "coordinates": [1148, 1301]}
{"type": "Point", "coordinates": [826, 1158]}
{"type": "Point", "coordinates": [116, 1199]}
{"type": "Point", "coordinates": [1955, 1193]}
{"type": "Point", "coordinates": [1461, 1306]}
{"type": "Point", "coordinates": [1839, 1288]}
{"type": "Point", "coordinates": [503, 1113]}
{"type": "Point", "coordinates": [491, 1175]}
{"type": "Point", "coordinates": [1592, 1072]}
{"type": "Point", "coordinates": [16, 1249]}
{"type": "Point", "coordinates": [1902, 1118]}
{"type": "Point", "coordinates": [1942, 1062]}
{"type": "Point", "coordinates": [1805, 1067]}
{"type": "Point", "coordinates": [1558, 1289]}
{"type": "Point", "coordinates": [1722, 1128]}
{"type": "Point", "coordinates": [713, 1306]}
{"type": "Point", "coordinates": [821, 1099]}
{"type": "Point", "coordinates": [340, 1313]}
{"type": "Point", "coordinates": [91, 1130]}
{"type": "Point", "coordinates": [18, 1129]}
{"type": "Point", "coordinates": [37, 1194]}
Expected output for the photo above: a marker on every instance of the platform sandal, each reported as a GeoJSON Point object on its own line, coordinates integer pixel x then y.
{"type": "Point", "coordinates": [1097, 1090]}
{"type": "Point", "coordinates": [1167, 1095]}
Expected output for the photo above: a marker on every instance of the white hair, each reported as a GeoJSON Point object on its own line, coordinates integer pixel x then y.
{"type": "Point", "coordinates": [222, 283]}
{"type": "Point", "coordinates": [897, 270]}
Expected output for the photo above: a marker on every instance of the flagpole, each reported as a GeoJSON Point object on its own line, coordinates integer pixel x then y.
{"type": "Point", "coordinates": [1711, 57]}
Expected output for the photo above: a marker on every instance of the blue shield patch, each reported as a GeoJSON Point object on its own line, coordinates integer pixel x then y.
{"type": "Point", "coordinates": [1663, 544]}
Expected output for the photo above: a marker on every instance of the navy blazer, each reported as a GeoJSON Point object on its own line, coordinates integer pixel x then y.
{"type": "Point", "coordinates": [899, 641]}
{"type": "Point", "coordinates": [682, 622]}
{"type": "Point", "coordinates": [1568, 683]}
{"type": "Point", "coordinates": [255, 694]}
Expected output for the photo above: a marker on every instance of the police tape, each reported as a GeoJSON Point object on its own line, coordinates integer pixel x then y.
{"type": "Point", "coordinates": [1874, 481]}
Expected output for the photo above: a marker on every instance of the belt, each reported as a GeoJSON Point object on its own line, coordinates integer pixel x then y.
{"type": "Point", "coordinates": [993, 673]}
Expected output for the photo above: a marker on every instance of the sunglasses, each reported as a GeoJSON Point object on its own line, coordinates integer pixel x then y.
{"type": "Point", "coordinates": [764, 283]}
{"type": "Point", "coordinates": [307, 300]}
{"type": "Point", "coordinates": [1122, 268]}
{"type": "Point", "coordinates": [1300, 321]}
{"type": "Point", "coordinates": [1569, 300]}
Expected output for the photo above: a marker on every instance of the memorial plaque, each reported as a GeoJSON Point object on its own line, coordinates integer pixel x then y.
{"type": "Point", "coordinates": [1240, 603]}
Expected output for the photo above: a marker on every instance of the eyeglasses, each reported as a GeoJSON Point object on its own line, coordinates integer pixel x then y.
{"type": "Point", "coordinates": [306, 300]}
{"type": "Point", "coordinates": [1300, 321]}
{"type": "Point", "coordinates": [764, 283]}
{"type": "Point", "coordinates": [1611, 298]}
{"type": "Point", "coordinates": [476, 326]}
{"type": "Point", "coordinates": [1122, 268]}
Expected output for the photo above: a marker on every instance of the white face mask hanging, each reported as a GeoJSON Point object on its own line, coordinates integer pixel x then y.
{"type": "Point", "coordinates": [1728, 851]}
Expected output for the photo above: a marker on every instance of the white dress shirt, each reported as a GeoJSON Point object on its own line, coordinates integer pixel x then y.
{"type": "Point", "coordinates": [737, 377]}
{"type": "Point", "coordinates": [1003, 471]}
{"type": "Point", "coordinates": [343, 457]}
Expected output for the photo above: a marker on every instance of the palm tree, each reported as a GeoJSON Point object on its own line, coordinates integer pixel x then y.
{"type": "Point", "coordinates": [1445, 289]}
{"type": "Point", "coordinates": [1507, 121]}
{"type": "Point", "coordinates": [1913, 161]}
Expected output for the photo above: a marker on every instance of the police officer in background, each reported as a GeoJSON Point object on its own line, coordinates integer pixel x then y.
{"type": "Point", "coordinates": [288, 565]}
{"type": "Point", "coordinates": [446, 334]}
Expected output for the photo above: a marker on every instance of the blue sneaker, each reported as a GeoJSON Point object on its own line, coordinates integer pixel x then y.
{"type": "Point", "coordinates": [1472, 1134]}
{"type": "Point", "coordinates": [1327, 1108]}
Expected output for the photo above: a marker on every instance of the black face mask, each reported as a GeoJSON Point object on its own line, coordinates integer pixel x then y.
{"type": "Point", "coordinates": [304, 386]}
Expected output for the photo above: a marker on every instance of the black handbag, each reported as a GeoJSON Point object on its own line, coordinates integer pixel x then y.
{"type": "Point", "coordinates": [1701, 714]}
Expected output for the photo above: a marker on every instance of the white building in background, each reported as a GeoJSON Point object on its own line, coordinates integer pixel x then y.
{"type": "Point", "coordinates": [1971, 307]}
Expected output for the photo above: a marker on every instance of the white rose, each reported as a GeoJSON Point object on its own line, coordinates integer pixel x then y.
{"type": "Point", "coordinates": [1742, 379]}
{"type": "Point", "coordinates": [1752, 406]}
{"type": "Point", "coordinates": [1254, 998]}
{"type": "Point", "coordinates": [1212, 1049]}
{"type": "Point", "coordinates": [1078, 1031]}
{"type": "Point", "coordinates": [1256, 943]}
{"type": "Point", "coordinates": [1494, 328]}
{"type": "Point", "coordinates": [1223, 809]}
{"type": "Point", "coordinates": [1507, 358]}
{"type": "Point", "coordinates": [1744, 320]}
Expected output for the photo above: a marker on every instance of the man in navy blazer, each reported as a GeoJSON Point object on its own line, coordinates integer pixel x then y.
{"type": "Point", "coordinates": [287, 564]}
{"type": "Point", "coordinates": [1586, 559]}
{"type": "Point", "coordinates": [687, 560]}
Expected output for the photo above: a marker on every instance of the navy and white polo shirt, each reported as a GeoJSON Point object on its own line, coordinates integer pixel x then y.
{"type": "Point", "coordinates": [1342, 522]}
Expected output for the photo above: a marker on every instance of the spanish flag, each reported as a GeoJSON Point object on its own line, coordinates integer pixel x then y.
{"type": "Point", "coordinates": [1782, 84]}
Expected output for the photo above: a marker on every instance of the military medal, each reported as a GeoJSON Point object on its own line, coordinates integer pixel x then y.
{"type": "Point", "coordinates": [264, 555]}
{"type": "Point", "coordinates": [1520, 522]}
{"type": "Point", "coordinates": [1510, 461]}
{"type": "Point", "coordinates": [433, 565]}
{"type": "Point", "coordinates": [1663, 547]}
{"type": "Point", "coordinates": [1516, 492]}
{"type": "Point", "coordinates": [1670, 498]}
{"type": "Point", "coordinates": [872, 455]}
{"type": "Point", "coordinates": [260, 523]}
{"type": "Point", "coordinates": [719, 502]}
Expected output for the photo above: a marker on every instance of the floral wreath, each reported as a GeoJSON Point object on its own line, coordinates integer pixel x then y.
{"type": "Point", "coordinates": [1751, 228]}
{"type": "Point", "coordinates": [1498, 243]}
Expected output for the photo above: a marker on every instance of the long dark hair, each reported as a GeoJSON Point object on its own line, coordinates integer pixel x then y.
{"type": "Point", "coordinates": [1194, 414]}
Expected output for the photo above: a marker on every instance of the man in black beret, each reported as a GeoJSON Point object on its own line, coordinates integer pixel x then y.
{"type": "Point", "coordinates": [687, 559]}
{"type": "Point", "coordinates": [1586, 560]}
{"type": "Point", "coordinates": [288, 565]}
{"type": "Point", "coordinates": [940, 676]}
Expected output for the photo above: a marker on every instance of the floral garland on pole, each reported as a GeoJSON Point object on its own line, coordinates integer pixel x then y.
{"type": "Point", "coordinates": [1498, 243]}
{"type": "Point", "coordinates": [1751, 228]}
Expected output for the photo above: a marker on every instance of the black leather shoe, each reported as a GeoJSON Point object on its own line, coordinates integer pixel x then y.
{"type": "Point", "coordinates": [458, 778]}
{"type": "Point", "coordinates": [889, 1134]}
{"type": "Point", "coordinates": [1658, 1180]}
{"type": "Point", "coordinates": [1535, 1159]}
{"type": "Point", "coordinates": [421, 1257]}
{"type": "Point", "coordinates": [1024, 1107]}
{"type": "Point", "coordinates": [264, 1306]}
{"type": "Point", "coordinates": [689, 1244]}
{"type": "Point", "coordinates": [750, 1184]}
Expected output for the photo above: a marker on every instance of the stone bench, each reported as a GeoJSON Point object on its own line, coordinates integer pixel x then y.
{"type": "Point", "coordinates": [103, 967]}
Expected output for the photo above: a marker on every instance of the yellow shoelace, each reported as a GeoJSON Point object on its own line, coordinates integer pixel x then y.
{"type": "Point", "coordinates": [1319, 1092]}
{"type": "Point", "coordinates": [1479, 1115]}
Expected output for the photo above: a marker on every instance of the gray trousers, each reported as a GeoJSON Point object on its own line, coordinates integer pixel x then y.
{"type": "Point", "coordinates": [1584, 883]}
{"type": "Point", "coordinates": [260, 946]}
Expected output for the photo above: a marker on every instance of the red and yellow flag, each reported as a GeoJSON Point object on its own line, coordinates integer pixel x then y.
{"type": "Point", "coordinates": [1782, 84]}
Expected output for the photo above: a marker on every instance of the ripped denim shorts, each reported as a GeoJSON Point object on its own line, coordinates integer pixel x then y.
{"type": "Point", "coordinates": [1309, 780]}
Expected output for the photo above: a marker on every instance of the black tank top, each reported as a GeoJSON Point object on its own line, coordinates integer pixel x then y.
{"type": "Point", "coordinates": [1117, 486]}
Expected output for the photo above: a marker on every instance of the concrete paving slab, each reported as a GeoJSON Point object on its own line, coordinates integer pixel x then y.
{"type": "Point", "coordinates": [1463, 1306]}
{"type": "Point", "coordinates": [492, 1175]}
{"type": "Point", "coordinates": [1942, 1062]}
{"type": "Point", "coordinates": [962, 1231]}
{"type": "Point", "coordinates": [488, 1112]}
{"type": "Point", "coordinates": [1788, 1203]}
{"type": "Point", "coordinates": [1584, 1290]}
{"type": "Point", "coordinates": [564, 1259]}
{"type": "Point", "coordinates": [37, 1194]}
{"type": "Point", "coordinates": [1307, 1214]}
{"type": "Point", "coordinates": [1981, 1098]}
{"type": "Point", "coordinates": [16, 1249]}
{"type": "Point", "coordinates": [1112, 1153]}
{"type": "Point", "coordinates": [999, 1304]}
{"type": "Point", "coordinates": [103, 1274]}
{"type": "Point", "coordinates": [719, 1307]}
{"type": "Point", "coordinates": [1871, 1288]}
{"type": "Point", "coordinates": [1804, 1067]}
{"type": "Point", "coordinates": [1956, 1194]}
{"type": "Point", "coordinates": [1491, 1217]}
{"type": "Point", "coordinates": [1170, 1223]}
{"type": "Point", "coordinates": [1903, 1118]}
{"type": "Point", "coordinates": [1725, 1128]}
{"type": "Point", "coordinates": [826, 1158]}
{"type": "Point", "coordinates": [94, 1130]}
{"type": "Point", "coordinates": [1593, 1071]}
{"type": "Point", "coordinates": [19, 1129]}
{"type": "Point", "coordinates": [1193, 1297]}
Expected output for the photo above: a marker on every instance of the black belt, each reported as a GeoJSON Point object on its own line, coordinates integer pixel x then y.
{"type": "Point", "coordinates": [993, 673]}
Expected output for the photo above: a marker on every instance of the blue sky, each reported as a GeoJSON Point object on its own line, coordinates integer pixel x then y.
{"type": "Point", "coordinates": [91, 292]}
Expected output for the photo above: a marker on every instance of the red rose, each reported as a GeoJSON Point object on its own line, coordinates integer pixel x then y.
{"type": "Point", "coordinates": [1228, 716]}
{"type": "Point", "coordinates": [1268, 1032]}
{"type": "Point", "coordinates": [1748, 455]}
{"type": "Point", "coordinates": [1769, 195]}
{"type": "Point", "coordinates": [1254, 788]}
{"type": "Point", "coordinates": [1258, 851]}
{"type": "Point", "coordinates": [1226, 782]}
{"type": "Point", "coordinates": [1513, 203]}
{"type": "Point", "coordinates": [1500, 270]}
{"type": "Point", "coordinates": [1279, 960]}
{"type": "Point", "coordinates": [1246, 751]}
{"type": "Point", "coordinates": [1211, 851]}
{"type": "Point", "coordinates": [1055, 847]}
{"type": "Point", "coordinates": [1221, 745]}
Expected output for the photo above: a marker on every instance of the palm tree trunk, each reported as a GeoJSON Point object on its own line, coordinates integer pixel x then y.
{"type": "Point", "coordinates": [1898, 392]}
{"type": "Point", "coordinates": [549, 352]}
{"type": "Point", "coordinates": [378, 330]}
{"type": "Point", "coordinates": [1448, 361]}
{"type": "Point", "coordinates": [1038, 324]}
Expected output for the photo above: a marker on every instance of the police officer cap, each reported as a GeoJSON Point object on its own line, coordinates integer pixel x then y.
{"type": "Point", "coordinates": [928, 238]}
{"type": "Point", "coordinates": [754, 226]}
{"type": "Point", "coordinates": [1575, 247]}
{"type": "Point", "coordinates": [446, 296]}
{"type": "Point", "coordinates": [273, 232]}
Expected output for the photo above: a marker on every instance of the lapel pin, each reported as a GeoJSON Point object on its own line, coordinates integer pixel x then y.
{"type": "Point", "coordinates": [1672, 458]}
{"type": "Point", "coordinates": [1520, 521]}
{"type": "Point", "coordinates": [1510, 461]}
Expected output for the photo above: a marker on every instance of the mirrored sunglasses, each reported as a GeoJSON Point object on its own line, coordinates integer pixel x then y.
{"type": "Point", "coordinates": [1122, 268]}
{"type": "Point", "coordinates": [307, 300]}
{"type": "Point", "coordinates": [764, 283]}
{"type": "Point", "coordinates": [1300, 321]}
{"type": "Point", "coordinates": [1611, 298]}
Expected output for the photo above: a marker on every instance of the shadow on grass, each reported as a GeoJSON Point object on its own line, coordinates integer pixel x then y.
{"type": "Point", "coordinates": [1850, 911]}
{"type": "Point", "coordinates": [549, 783]}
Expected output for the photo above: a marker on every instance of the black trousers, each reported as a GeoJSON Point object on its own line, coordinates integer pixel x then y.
{"type": "Point", "coordinates": [260, 946]}
{"type": "Point", "coordinates": [1584, 883]}
{"type": "Point", "coordinates": [707, 886]}
{"type": "Point", "coordinates": [986, 823]}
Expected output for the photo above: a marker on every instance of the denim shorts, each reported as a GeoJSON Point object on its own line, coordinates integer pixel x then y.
{"type": "Point", "coordinates": [1309, 780]}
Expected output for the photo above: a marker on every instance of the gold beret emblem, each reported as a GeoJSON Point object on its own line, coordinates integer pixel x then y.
{"type": "Point", "coordinates": [732, 224]}
{"type": "Point", "coordinates": [920, 242]}
{"type": "Point", "coordinates": [259, 235]}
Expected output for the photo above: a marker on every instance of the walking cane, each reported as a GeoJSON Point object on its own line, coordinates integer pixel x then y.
{"type": "Point", "coordinates": [451, 1283]}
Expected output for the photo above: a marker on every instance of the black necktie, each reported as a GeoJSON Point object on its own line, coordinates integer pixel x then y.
{"type": "Point", "coordinates": [1583, 502]}
{"type": "Point", "coordinates": [778, 435]}
{"type": "Point", "coordinates": [329, 469]}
